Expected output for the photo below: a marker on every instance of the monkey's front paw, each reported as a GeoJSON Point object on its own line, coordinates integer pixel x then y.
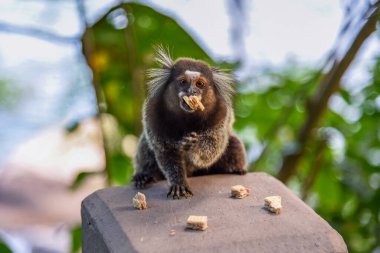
{"type": "Point", "coordinates": [239, 171]}
{"type": "Point", "coordinates": [141, 180]}
{"type": "Point", "coordinates": [179, 191]}
{"type": "Point", "coordinates": [189, 141]}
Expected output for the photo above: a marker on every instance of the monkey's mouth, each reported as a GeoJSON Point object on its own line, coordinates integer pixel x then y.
{"type": "Point", "coordinates": [184, 106]}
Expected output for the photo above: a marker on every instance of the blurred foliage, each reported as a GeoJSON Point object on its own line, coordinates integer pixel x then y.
{"type": "Point", "coordinates": [344, 187]}
{"type": "Point", "coordinates": [80, 179]}
{"type": "Point", "coordinates": [9, 95]}
{"type": "Point", "coordinates": [76, 239]}
{"type": "Point", "coordinates": [4, 248]}
{"type": "Point", "coordinates": [353, 175]}
{"type": "Point", "coordinates": [268, 116]}
{"type": "Point", "coordinates": [339, 173]}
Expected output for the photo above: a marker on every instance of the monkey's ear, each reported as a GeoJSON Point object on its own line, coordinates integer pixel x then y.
{"type": "Point", "coordinates": [157, 77]}
{"type": "Point", "coordinates": [224, 83]}
{"type": "Point", "coordinates": [215, 69]}
{"type": "Point", "coordinates": [163, 56]}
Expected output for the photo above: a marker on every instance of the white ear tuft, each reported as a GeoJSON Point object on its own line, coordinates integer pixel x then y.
{"type": "Point", "coordinates": [224, 83]}
{"type": "Point", "coordinates": [157, 77]}
{"type": "Point", "coordinates": [163, 57]}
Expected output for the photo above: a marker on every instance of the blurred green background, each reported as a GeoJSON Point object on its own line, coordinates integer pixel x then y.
{"type": "Point", "coordinates": [300, 122]}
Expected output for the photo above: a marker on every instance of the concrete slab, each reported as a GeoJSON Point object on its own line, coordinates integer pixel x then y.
{"type": "Point", "coordinates": [111, 224]}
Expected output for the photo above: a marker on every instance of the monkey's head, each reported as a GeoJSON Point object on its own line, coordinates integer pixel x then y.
{"type": "Point", "coordinates": [188, 77]}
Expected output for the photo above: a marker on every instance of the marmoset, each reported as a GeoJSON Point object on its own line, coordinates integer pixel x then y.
{"type": "Point", "coordinates": [179, 141]}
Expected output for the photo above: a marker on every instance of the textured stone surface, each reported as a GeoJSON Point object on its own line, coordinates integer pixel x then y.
{"type": "Point", "coordinates": [111, 224]}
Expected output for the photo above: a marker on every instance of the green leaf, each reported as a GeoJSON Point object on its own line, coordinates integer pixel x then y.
{"type": "Point", "coordinates": [81, 178]}
{"type": "Point", "coordinates": [76, 239]}
{"type": "Point", "coordinates": [121, 169]}
{"type": "Point", "coordinates": [4, 248]}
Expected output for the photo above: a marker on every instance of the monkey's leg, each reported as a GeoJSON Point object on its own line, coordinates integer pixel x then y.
{"type": "Point", "coordinates": [145, 164]}
{"type": "Point", "coordinates": [172, 165]}
{"type": "Point", "coordinates": [233, 160]}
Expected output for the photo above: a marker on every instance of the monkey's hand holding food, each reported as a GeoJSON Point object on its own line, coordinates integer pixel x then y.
{"type": "Point", "coordinates": [178, 191]}
{"type": "Point", "coordinates": [189, 141]}
{"type": "Point", "coordinates": [194, 102]}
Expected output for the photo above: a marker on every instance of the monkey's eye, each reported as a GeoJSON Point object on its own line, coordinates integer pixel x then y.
{"type": "Point", "coordinates": [182, 81]}
{"type": "Point", "coordinates": [200, 84]}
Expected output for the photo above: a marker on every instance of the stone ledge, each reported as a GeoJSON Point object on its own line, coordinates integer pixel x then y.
{"type": "Point", "coordinates": [111, 224]}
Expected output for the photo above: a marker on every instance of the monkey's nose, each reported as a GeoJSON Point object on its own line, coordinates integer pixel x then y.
{"type": "Point", "coordinates": [194, 91]}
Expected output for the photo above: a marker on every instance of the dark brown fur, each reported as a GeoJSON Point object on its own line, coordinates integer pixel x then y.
{"type": "Point", "coordinates": [178, 142]}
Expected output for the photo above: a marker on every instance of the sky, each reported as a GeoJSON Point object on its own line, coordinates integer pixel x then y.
{"type": "Point", "coordinates": [270, 33]}
{"type": "Point", "coordinates": [276, 29]}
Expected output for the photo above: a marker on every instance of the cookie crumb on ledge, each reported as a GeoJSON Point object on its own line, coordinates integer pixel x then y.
{"type": "Point", "coordinates": [197, 222]}
{"type": "Point", "coordinates": [139, 201]}
{"type": "Point", "coordinates": [239, 191]}
{"type": "Point", "coordinates": [273, 204]}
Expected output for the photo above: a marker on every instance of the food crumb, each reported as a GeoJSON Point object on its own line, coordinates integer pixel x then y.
{"type": "Point", "coordinates": [273, 204]}
{"type": "Point", "coordinates": [139, 201]}
{"type": "Point", "coordinates": [239, 191]}
{"type": "Point", "coordinates": [193, 102]}
{"type": "Point", "coordinates": [197, 222]}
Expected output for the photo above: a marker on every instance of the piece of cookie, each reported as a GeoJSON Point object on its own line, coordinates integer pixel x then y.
{"type": "Point", "coordinates": [197, 102]}
{"type": "Point", "coordinates": [139, 201]}
{"type": "Point", "coordinates": [239, 191]}
{"type": "Point", "coordinates": [197, 222]}
{"type": "Point", "coordinates": [273, 204]}
{"type": "Point", "coordinates": [193, 102]}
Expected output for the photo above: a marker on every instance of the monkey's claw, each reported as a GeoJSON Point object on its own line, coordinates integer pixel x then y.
{"type": "Point", "coordinates": [141, 180]}
{"type": "Point", "coordinates": [179, 191]}
{"type": "Point", "coordinates": [238, 171]}
{"type": "Point", "coordinates": [188, 141]}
